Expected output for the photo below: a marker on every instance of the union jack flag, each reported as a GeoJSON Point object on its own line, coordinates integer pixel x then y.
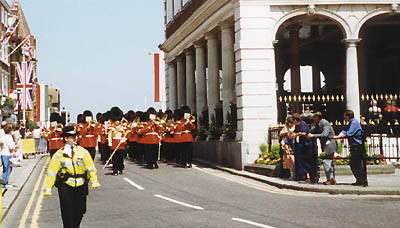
{"type": "Point", "coordinates": [27, 49]}
{"type": "Point", "coordinates": [25, 84]}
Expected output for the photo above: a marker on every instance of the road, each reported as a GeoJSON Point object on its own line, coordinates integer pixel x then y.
{"type": "Point", "coordinates": [198, 197]}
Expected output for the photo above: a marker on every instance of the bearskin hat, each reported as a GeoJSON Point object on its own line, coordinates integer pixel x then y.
{"type": "Point", "coordinates": [87, 113]}
{"type": "Point", "coordinates": [80, 119]}
{"type": "Point", "coordinates": [130, 115]}
{"type": "Point", "coordinates": [116, 114]}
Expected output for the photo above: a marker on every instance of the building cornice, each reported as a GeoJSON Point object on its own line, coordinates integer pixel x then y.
{"type": "Point", "coordinates": [203, 20]}
{"type": "Point", "coordinates": [326, 2]}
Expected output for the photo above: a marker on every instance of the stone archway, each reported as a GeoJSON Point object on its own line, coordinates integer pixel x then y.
{"type": "Point", "coordinates": [379, 59]}
{"type": "Point", "coordinates": [314, 40]}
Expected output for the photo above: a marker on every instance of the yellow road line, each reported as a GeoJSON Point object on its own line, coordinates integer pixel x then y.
{"type": "Point", "coordinates": [36, 211]}
{"type": "Point", "coordinates": [29, 205]}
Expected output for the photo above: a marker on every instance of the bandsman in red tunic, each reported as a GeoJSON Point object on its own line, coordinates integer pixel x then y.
{"type": "Point", "coordinates": [184, 137]}
{"type": "Point", "coordinates": [88, 132]}
{"type": "Point", "coordinates": [117, 133]}
{"type": "Point", "coordinates": [53, 135]}
{"type": "Point", "coordinates": [151, 138]}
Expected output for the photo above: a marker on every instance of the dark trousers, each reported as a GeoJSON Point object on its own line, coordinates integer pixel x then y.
{"type": "Point", "coordinates": [118, 160]}
{"type": "Point", "coordinates": [140, 147]}
{"type": "Point", "coordinates": [92, 151]}
{"type": "Point", "coordinates": [52, 152]}
{"type": "Point", "coordinates": [101, 151]}
{"type": "Point", "coordinates": [107, 152]}
{"type": "Point", "coordinates": [171, 151]}
{"type": "Point", "coordinates": [357, 163]}
{"type": "Point", "coordinates": [188, 152]}
{"type": "Point", "coordinates": [131, 150]}
{"type": "Point", "coordinates": [73, 205]}
{"type": "Point", "coordinates": [151, 154]}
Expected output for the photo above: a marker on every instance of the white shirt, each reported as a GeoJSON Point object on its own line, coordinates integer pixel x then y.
{"type": "Point", "coordinates": [36, 133]}
{"type": "Point", "coordinates": [8, 144]}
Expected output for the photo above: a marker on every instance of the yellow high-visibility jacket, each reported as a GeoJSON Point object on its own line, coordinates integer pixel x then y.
{"type": "Point", "coordinates": [76, 167]}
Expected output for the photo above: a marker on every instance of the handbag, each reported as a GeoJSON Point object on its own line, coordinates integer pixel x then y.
{"type": "Point", "coordinates": [14, 160]}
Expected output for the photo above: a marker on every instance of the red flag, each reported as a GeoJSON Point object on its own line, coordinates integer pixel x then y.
{"type": "Point", "coordinates": [156, 77]}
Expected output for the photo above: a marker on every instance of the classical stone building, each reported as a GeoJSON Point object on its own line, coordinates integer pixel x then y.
{"type": "Point", "coordinates": [239, 51]}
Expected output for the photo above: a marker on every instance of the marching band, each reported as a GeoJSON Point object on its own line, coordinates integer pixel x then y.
{"type": "Point", "coordinates": [144, 137]}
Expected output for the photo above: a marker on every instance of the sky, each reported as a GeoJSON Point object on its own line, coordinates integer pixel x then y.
{"type": "Point", "coordinates": [97, 51]}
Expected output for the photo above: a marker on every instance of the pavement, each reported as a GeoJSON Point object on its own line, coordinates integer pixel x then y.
{"type": "Point", "coordinates": [382, 184]}
{"type": "Point", "coordinates": [18, 178]}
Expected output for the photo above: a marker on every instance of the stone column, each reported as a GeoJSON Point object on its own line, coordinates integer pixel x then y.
{"type": "Point", "coordinates": [295, 82]}
{"type": "Point", "coordinates": [181, 81]}
{"type": "Point", "coordinates": [190, 81]}
{"type": "Point", "coordinates": [228, 68]}
{"type": "Point", "coordinates": [316, 78]}
{"type": "Point", "coordinates": [172, 86]}
{"type": "Point", "coordinates": [213, 74]}
{"type": "Point", "coordinates": [201, 86]}
{"type": "Point", "coordinates": [352, 84]}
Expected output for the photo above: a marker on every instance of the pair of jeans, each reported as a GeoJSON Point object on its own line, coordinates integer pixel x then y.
{"type": "Point", "coordinates": [7, 168]}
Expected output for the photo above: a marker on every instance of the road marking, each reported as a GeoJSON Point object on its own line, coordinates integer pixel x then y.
{"type": "Point", "coordinates": [36, 211]}
{"type": "Point", "coordinates": [178, 202]}
{"type": "Point", "coordinates": [251, 223]}
{"type": "Point", "coordinates": [134, 184]}
{"type": "Point", "coordinates": [22, 221]}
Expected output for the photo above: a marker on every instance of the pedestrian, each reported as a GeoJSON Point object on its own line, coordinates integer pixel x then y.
{"type": "Point", "coordinates": [328, 145]}
{"type": "Point", "coordinates": [304, 158]}
{"type": "Point", "coordinates": [36, 136]}
{"type": "Point", "coordinates": [287, 136]}
{"type": "Point", "coordinates": [353, 132]}
{"type": "Point", "coordinates": [8, 147]}
{"type": "Point", "coordinates": [18, 157]}
{"type": "Point", "coordinates": [69, 170]}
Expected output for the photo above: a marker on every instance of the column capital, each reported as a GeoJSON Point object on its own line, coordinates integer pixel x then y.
{"type": "Point", "coordinates": [180, 58]}
{"type": "Point", "coordinates": [211, 35]}
{"type": "Point", "coordinates": [199, 43]}
{"type": "Point", "coordinates": [351, 42]}
{"type": "Point", "coordinates": [189, 52]}
{"type": "Point", "coordinates": [227, 24]}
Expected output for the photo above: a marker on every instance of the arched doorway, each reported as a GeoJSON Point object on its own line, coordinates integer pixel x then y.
{"type": "Point", "coordinates": [379, 62]}
{"type": "Point", "coordinates": [315, 41]}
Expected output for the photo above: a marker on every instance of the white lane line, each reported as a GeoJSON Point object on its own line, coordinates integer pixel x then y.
{"type": "Point", "coordinates": [178, 202]}
{"type": "Point", "coordinates": [134, 184]}
{"type": "Point", "coordinates": [251, 223]}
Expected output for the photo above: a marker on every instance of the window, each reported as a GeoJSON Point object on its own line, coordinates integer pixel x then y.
{"type": "Point", "coordinates": [170, 10]}
{"type": "Point", "coordinates": [1, 15]}
{"type": "Point", "coordinates": [177, 6]}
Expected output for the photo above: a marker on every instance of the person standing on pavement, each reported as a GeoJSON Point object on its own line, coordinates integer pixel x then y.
{"type": "Point", "coordinates": [36, 136]}
{"type": "Point", "coordinates": [328, 145]}
{"type": "Point", "coordinates": [353, 132]}
{"type": "Point", "coordinates": [305, 164]}
{"type": "Point", "coordinates": [69, 170]}
{"type": "Point", "coordinates": [8, 147]}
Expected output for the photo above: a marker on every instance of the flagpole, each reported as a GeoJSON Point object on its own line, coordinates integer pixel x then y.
{"type": "Point", "coordinates": [22, 43]}
{"type": "Point", "coordinates": [24, 86]}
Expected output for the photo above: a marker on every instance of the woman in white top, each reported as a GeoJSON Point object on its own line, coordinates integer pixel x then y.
{"type": "Point", "coordinates": [7, 148]}
{"type": "Point", "coordinates": [18, 143]}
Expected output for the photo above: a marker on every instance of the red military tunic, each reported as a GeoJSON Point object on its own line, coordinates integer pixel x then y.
{"type": "Point", "coordinates": [55, 139]}
{"type": "Point", "coordinates": [116, 133]}
{"type": "Point", "coordinates": [88, 135]}
{"type": "Point", "coordinates": [151, 133]}
{"type": "Point", "coordinates": [184, 131]}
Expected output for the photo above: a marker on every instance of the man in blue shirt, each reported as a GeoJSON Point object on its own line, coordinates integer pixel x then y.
{"type": "Point", "coordinates": [353, 133]}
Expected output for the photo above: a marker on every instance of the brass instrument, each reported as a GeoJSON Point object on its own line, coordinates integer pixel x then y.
{"type": "Point", "coordinates": [59, 127]}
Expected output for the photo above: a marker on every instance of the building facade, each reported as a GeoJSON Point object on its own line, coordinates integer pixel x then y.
{"type": "Point", "coordinates": [239, 51]}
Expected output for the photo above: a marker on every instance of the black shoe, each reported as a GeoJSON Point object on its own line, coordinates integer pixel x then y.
{"type": "Point", "coordinates": [364, 184]}
{"type": "Point", "coordinates": [120, 172]}
{"type": "Point", "coordinates": [156, 166]}
{"type": "Point", "coordinates": [115, 173]}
